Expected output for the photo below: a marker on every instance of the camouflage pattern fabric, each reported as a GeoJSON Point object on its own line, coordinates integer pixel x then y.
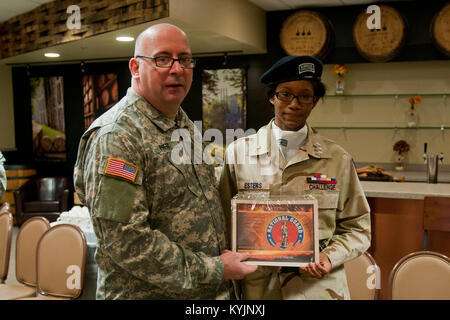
{"type": "Point", "coordinates": [160, 232]}
{"type": "Point", "coordinates": [344, 214]}
{"type": "Point", "coordinates": [2, 176]}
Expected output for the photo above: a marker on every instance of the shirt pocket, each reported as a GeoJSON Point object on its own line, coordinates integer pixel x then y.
{"type": "Point", "coordinates": [326, 199]}
{"type": "Point", "coordinates": [175, 173]}
{"type": "Point", "coordinates": [187, 171]}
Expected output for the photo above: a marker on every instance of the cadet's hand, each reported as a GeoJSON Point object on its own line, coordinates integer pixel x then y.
{"type": "Point", "coordinates": [319, 270]}
{"type": "Point", "coordinates": [233, 268]}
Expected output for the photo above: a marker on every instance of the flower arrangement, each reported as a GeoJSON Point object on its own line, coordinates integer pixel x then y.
{"type": "Point", "coordinates": [412, 114]}
{"type": "Point", "coordinates": [415, 100]}
{"type": "Point", "coordinates": [400, 147]}
{"type": "Point", "coordinates": [340, 69]}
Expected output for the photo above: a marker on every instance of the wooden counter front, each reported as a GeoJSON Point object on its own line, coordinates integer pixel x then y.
{"type": "Point", "coordinates": [397, 216]}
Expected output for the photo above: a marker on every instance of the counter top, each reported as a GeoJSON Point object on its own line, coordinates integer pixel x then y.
{"type": "Point", "coordinates": [405, 190]}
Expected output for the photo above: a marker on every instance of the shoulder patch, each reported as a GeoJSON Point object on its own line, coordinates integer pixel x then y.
{"type": "Point", "coordinates": [126, 170]}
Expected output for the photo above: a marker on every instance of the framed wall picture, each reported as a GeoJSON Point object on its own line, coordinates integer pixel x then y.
{"type": "Point", "coordinates": [276, 231]}
{"type": "Point", "coordinates": [224, 99]}
{"type": "Point", "coordinates": [47, 108]}
{"type": "Point", "coordinates": [100, 93]}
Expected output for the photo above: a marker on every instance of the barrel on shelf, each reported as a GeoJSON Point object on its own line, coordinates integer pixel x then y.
{"type": "Point", "coordinates": [440, 30]}
{"type": "Point", "coordinates": [17, 175]}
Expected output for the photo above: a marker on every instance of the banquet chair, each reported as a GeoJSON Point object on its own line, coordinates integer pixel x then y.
{"type": "Point", "coordinates": [6, 225]}
{"type": "Point", "coordinates": [4, 207]}
{"type": "Point", "coordinates": [45, 197]}
{"type": "Point", "coordinates": [61, 263]}
{"type": "Point", "coordinates": [26, 243]}
{"type": "Point", "coordinates": [422, 275]}
{"type": "Point", "coordinates": [363, 277]}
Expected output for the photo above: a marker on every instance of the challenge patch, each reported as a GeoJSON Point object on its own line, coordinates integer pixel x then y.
{"type": "Point", "coordinates": [321, 182]}
{"type": "Point", "coordinates": [120, 168]}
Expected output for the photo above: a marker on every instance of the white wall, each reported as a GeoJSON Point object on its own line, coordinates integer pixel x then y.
{"type": "Point", "coordinates": [238, 20]}
{"type": "Point", "coordinates": [387, 111]}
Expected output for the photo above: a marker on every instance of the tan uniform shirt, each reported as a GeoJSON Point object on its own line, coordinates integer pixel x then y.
{"type": "Point", "coordinates": [159, 223]}
{"type": "Point", "coordinates": [344, 214]}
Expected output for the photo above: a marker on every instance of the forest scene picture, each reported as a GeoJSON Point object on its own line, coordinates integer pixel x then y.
{"type": "Point", "coordinates": [224, 99]}
{"type": "Point", "coordinates": [47, 108]}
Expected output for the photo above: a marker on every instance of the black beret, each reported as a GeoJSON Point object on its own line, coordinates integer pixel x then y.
{"type": "Point", "coordinates": [292, 68]}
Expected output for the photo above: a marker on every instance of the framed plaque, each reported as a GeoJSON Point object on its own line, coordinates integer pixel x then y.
{"type": "Point", "coordinates": [276, 232]}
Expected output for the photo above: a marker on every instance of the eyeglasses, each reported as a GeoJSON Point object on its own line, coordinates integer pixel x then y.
{"type": "Point", "coordinates": [289, 97]}
{"type": "Point", "coordinates": [167, 62]}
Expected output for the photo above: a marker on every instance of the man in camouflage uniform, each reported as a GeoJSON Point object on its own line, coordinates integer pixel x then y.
{"type": "Point", "coordinates": [158, 220]}
{"type": "Point", "coordinates": [2, 177]}
{"type": "Point", "coordinates": [265, 160]}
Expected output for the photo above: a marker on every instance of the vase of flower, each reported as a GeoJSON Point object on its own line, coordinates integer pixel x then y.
{"type": "Point", "coordinates": [340, 70]}
{"type": "Point", "coordinates": [412, 112]}
{"type": "Point", "coordinates": [401, 147]}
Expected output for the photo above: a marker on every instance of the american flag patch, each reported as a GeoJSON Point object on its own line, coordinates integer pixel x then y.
{"type": "Point", "coordinates": [121, 168]}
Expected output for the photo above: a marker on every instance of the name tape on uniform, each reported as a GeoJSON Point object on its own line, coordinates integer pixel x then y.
{"type": "Point", "coordinates": [254, 186]}
{"type": "Point", "coordinates": [320, 182]}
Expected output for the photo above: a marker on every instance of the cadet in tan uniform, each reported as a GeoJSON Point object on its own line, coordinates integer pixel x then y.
{"type": "Point", "coordinates": [2, 176]}
{"type": "Point", "coordinates": [158, 220]}
{"type": "Point", "coordinates": [281, 159]}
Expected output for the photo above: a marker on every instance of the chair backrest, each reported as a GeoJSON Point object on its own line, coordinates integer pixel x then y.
{"type": "Point", "coordinates": [61, 261]}
{"type": "Point", "coordinates": [45, 188]}
{"type": "Point", "coordinates": [423, 275]}
{"type": "Point", "coordinates": [436, 224]}
{"type": "Point", "coordinates": [363, 277]}
{"type": "Point", "coordinates": [5, 207]}
{"type": "Point", "coordinates": [6, 224]}
{"type": "Point", "coordinates": [26, 245]}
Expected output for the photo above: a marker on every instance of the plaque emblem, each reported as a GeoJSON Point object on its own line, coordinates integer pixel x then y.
{"type": "Point", "coordinates": [284, 232]}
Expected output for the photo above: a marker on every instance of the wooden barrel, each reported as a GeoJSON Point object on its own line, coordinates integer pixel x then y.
{"type": "Point", "coordinates": [440, 30]}
{"type": "Point", "coordinates": [307, 33]}
{"type": "Point", "coordinates": [16, 175]}
{"type": "Point", "coordinates": [384, 44]}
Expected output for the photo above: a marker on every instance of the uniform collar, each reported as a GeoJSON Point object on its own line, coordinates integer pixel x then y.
{"type": "Point", "coordinates": [314, 144]}
{"type": "Point", "coordinates": [160, 120]}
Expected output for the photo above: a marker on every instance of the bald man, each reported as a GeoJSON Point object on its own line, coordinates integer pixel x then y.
{"type": "Point", "coordinates": [158, 221]}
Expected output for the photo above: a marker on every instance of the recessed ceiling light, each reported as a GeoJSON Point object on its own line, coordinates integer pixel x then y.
{"type": "Point", "coordinates": [124, 39]}
{"type": "Point", "coordinates": [51, 54]}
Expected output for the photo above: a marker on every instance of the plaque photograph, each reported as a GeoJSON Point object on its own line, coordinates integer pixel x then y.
{"type": "Point", "coordinates": [276, 232]}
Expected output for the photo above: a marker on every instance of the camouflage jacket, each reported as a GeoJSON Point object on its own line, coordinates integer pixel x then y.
{"type": "Point", "coordinates": [2, 176]}
{"type": "Point", "coordinates": [159, 223]}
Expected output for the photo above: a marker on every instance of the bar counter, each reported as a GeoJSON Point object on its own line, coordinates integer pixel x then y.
{"type": "Point", "coordinates": [397, 217]}
{"type": "Point", "coordinates": [405, 190]}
